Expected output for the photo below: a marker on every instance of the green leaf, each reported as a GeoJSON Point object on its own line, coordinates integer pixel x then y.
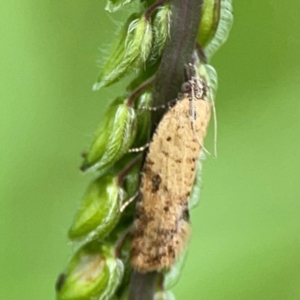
{"type": "Point", "coordinates": [114, 137]}
{"type": "Point", "coordinates": [161, 26]}
{"type": "Point", "coordinates": [216, 23]}
{"type": "Point", "coordinates": [93, 273]}
{"type": "Point", "coordinates": [99, 210]}
{"type": "Point", "coordinates": [114, 5]}
{"type": "Point", "coordinates": [143, 118]}
{"type": "Point", "coordinates": [209, 21]}
{"type": "Point", "coordinates": [131, 51]}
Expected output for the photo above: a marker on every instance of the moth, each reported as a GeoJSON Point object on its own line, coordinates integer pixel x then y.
{"type": "Point", "coordinates": [161, 227]}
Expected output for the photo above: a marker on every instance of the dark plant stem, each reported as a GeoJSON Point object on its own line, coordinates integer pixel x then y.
{"type": "Point", "coordinates": [142, 286]}
{"type": "Point", "coordinates": [185, 19]}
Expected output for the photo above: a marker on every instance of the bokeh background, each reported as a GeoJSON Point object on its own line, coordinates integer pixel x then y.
{"type": "Point", "coordinates": [246, 241]}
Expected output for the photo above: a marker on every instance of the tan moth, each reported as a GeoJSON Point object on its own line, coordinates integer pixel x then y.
{"type": "Point", "coordinates": [161, 226]}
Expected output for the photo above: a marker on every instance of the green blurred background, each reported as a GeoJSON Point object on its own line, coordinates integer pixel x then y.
{"type": "Point", "coordinates": [246, 241]}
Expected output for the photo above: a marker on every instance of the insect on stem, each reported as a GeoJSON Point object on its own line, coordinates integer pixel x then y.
{"type": "Point", "coordinates": [161, 227]}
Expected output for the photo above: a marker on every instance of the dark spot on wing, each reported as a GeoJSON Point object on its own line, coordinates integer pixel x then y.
{"type": "Point", "coordinates": [186, 215]}
{"type": "Point", "coordinates": [156, 180]}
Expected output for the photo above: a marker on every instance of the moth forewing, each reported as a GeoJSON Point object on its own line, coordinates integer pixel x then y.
{"type": "Point", "coordinates": [161, 226]}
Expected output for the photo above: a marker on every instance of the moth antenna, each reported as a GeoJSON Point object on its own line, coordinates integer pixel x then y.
{"type": "Point", "coordinates": [215, 128]}
{"type": "Point", "coordinates": [212, 101]}
{"type": "Point", "coordinates": [201, 145]}
{"type": "Point", "coordinates": [193, 115]}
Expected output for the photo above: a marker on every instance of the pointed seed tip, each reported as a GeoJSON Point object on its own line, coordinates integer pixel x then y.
{"type": "Point", "coordinates": [97, 86]}
{"type": "Point", "coordinates": [83, 167]}
{"type": "Point", "coordinates": [60, 281]}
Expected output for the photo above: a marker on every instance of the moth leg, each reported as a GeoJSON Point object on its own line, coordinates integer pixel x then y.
{"type": "Point", "coordinates": [127, 202]}
{"type": "Point", "coordinates": [139, 149]}
{"type": "Point", "coordinates": [170, 104]}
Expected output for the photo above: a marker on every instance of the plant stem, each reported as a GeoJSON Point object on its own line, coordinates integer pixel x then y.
{"type": "Point", "coordinates": [142, 286]}
{"type": "Point", "coordinates": [184, 24]}
{"type": "Point", "coordinates": [185, 19]}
